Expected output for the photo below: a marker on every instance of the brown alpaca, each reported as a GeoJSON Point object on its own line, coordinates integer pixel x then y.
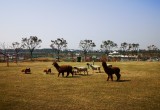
{"type": "Point", "coordinates": [47, 71]}
{"type": "Point", "coordinates": [27, 70]}
{"type": "Point", "coordinates": [80, 69]}
{"type": "Point", "coordinates": [111, 70]}
{"type": "Point", "coordinates": [63, 68]}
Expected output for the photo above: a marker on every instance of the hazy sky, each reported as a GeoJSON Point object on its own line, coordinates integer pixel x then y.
{"type": "Point", "coordinates": [131, 21]}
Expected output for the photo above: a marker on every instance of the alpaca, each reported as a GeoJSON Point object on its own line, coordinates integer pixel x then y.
{"type": "Point", "coordinates": [80, 69]}
{"type": "Point", "coordinates": [94, 67]}
{"type": "Point", "coordinates": [111, 70]}
{"type": "Point", "coordinates": [26, 71]}
{"type": "Point", "coordinates": [47, 71]}
{"type": "Point", "coordinates": [63, 68]}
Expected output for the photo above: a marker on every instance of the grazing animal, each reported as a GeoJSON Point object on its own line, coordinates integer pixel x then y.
{"type": "Point", "coordinates": [63, 68]}
{"type": "Point", "coordinates": [94, 67]}
{"type": "Point", "coordinates": [27, 70]}
{"type": "Point", "coordinates": [111, 70]}
{"type": "Point", "coordinates": [80, 69]}
{"type": "Point", "coordinates": [47, 71]}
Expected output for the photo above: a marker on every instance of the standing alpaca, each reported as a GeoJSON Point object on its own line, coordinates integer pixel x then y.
{"type": "Point", "coordinates": [80, 69]}
{"type": "Point", "coordinates": [111, 70]}
{"type": "Point", "coordinates": [63, 68]}
{"type": "Point", "coordinates": [94, 67]}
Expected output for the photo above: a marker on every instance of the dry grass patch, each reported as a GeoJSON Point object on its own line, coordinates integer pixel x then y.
{"type": "Point", "coordinates": [138, 88]}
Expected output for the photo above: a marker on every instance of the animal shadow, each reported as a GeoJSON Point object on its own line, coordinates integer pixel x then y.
{"type": "Point", "coordinates": [123, 81]}
{"type": "Point", "coordinates": [75, 76]}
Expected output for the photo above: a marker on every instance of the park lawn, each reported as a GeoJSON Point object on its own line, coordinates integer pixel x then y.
{"type": "Point", "coordinates": [138, 88]}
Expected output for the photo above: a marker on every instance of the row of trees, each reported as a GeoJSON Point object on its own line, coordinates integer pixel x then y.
{"type": "Point", "coordinates": [57, 45]}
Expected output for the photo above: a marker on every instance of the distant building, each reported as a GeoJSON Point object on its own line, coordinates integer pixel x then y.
{"type": "Point", "coordinates": [116, 56]}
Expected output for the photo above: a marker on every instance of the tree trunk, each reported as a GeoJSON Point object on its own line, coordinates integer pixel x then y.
{"type": "Point", "coordinates": [58, 55]}
{"type": "Point", "coordinates": [7, 61]}
{"type": "Point", "coordinates": [16, 57]}
{"type": "Point", "coordinates": [85, 55]}
{"type": "Point", "coordinates": [31, 52]}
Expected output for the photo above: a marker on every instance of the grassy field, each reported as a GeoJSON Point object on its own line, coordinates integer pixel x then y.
{"type": "Point", "coordinates": [138, 89]}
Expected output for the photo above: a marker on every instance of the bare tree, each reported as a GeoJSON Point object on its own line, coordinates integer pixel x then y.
{"type": "Point", "coordinates": [17, 47]}
{"type": "Point", "coordinates": [3, 51]}
{"type": "Point", "coordinates": [108, 45]}
{"type": "Point", "coordinates": [152, 47]}
{"type": "Point", "coordinates": [31, 43]}
{"type": "Point", "coordinates": [58, 45]}
{"type": "Point", "coordinates": [153, 51]}
{"type": "Point", "coordinates": [124, 46]}
{"type": "Point", "coordinates": [86, 46]}
{"type": "Point", "coordinates": [134, 47]}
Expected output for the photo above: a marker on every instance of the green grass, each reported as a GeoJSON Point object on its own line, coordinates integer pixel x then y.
{"type": "Point", "coordinates": [138, 89]}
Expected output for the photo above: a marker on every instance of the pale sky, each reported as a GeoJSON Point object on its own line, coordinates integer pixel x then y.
{"type": "Point", "coordinates": [131, 21]}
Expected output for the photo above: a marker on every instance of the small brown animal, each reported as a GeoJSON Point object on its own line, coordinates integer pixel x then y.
{"type": "Point", "coordinates": [81, 69]}
{"type": "Point", "coordinates": [26, 71]}
{"type": "Point", "coordinates": [47, 71]}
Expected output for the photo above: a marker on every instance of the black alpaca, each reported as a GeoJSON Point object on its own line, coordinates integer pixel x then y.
{"type": "Point", "coordinates": [63, 68]}
{"type": "Point", "coordinates": [111, 70]}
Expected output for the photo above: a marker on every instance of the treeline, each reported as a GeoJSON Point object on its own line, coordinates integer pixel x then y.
{"type": "Point", "coordinates": [28, 48]}
{"type": "Point", "coordinates": [73, 54]}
